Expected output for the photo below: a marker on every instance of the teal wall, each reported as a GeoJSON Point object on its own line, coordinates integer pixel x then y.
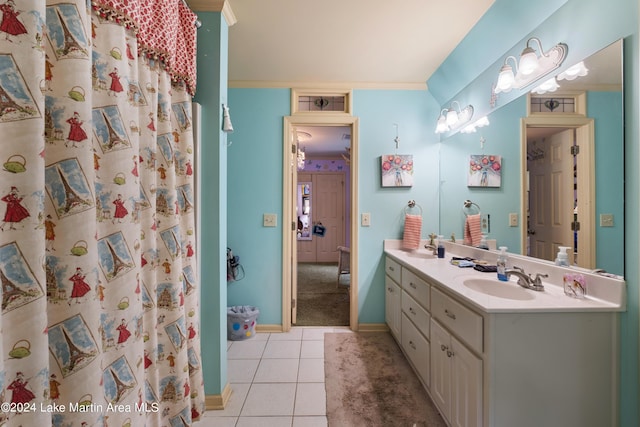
{"type": "Point", "coordinates": [502, 137]}
{"type": "Point", "coordinates": [255, 188]}
{"type": "Point", "coordinates": [254, 170]}
{"type": "Point", "coordinates": [211, 94]}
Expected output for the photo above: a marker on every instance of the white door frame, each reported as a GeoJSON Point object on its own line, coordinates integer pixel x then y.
{"type": "Point", "coordinates": [585, 163]}
{"type": "Point", "coordinates": [289, 183]}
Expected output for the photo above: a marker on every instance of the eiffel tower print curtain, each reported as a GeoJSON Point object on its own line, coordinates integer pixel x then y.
{"type": "Point", "coordinates": [100, 300]}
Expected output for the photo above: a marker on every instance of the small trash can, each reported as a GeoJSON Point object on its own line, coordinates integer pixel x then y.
{"type": "Point", "coordinates": [241, 322]}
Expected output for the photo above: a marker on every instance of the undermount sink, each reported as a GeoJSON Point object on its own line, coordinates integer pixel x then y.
{"type": "Point", "coordinates": [495, 288]}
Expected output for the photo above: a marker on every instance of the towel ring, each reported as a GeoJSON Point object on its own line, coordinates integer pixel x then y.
{"type": "Point", "coordinates": [412, 204]}
{"type": "Point", "coordinates": [468, 205]}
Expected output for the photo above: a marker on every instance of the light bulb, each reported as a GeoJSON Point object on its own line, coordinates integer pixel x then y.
{"type": "Point", "coordinates": [452, 117]}
{"type": "Point", "coordinates": [528, 61]}
{"type": "Point", "coordinates": [441, 126]}
{"type": "Point", "coordinates": [505, 79]}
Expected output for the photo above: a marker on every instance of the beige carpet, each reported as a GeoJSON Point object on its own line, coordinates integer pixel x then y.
{"type": "Point", "coordinates": [370, 383]}
{"type": "Point", "coordinates": [320, 301]}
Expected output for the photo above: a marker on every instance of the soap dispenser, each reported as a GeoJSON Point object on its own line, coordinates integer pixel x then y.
{"type": "Point", "coordinates": [562, 258]}
{"type": "Point", "coordinates": [501, 264]}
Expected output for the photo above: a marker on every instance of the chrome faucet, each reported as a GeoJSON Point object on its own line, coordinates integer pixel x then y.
{"type": "Point", "coordinates": [525, 280]}
{"type": "Point", "coordinates": [433, 248]}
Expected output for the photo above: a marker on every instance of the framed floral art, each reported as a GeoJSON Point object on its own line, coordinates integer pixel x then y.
{"type": "Point", "coordinates": [485, 170]}
{"type": "Point", "coordinates": [397, 170]}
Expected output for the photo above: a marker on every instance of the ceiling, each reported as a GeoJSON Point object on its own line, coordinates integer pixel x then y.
{"type": "Point", "coordinates": [360, 43]}
{"type": "Point", "coordinates": [371, 42]}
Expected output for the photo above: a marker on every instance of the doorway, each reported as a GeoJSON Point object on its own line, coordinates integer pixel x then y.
{"type": "Point", "coordinates": [558, 191]}
{"type": "Point", "coordinates": [336, 193]}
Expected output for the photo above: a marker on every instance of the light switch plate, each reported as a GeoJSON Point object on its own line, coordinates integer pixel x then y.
{"type": "Point", "coordinates": [513, 219]}
{"type": "Point", "coordinates": [269, 220]}
{"type": "Point", "coordinates": [366, 219]}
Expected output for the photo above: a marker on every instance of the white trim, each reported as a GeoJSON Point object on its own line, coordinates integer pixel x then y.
{"type": "Point", "coordinates": [253, 84]}
{"type": "Point", "coordinates": [318, 119]}
{"type": "Point", "coordinates": [297, 93]}
{"type": "Point", "coordinates": [214, 6]}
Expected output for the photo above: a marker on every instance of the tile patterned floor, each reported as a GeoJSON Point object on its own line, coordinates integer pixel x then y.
{"type": "Point", "coordinates": [277, 381]}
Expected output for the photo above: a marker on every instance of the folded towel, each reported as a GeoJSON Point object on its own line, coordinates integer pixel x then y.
{"type": "Point", "coordinates": [412, 231]}
{"type": "Point", "coordinates": [472, 230]}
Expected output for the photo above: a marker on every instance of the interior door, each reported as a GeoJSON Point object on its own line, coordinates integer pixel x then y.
{"type": "Point", "coordinates": [329, 211]}
{"type": "Point", "coordinates": [551, 195]}
{"type": "Point", "coordinates": [293, 234]}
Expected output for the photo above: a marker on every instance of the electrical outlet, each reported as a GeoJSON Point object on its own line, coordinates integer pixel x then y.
{"type": "Point", "coordinates": [606, 220]}
{"type": "Point", "coordinates": [366, 219]}
{"type": "Point", "coordinates": [269, 220]}
{"type": "Point", "coordinates": [513, 219]}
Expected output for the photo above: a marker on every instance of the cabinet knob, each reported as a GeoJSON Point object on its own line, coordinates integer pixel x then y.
{"type": "Point", "coordinates": [413, 285]}
{"type": "Point", "coordinates": [391, 269]}
{"type": "Point", "coordinates": [449, 353]}
{"type": "Point", "coordinates": [413, 346]}
{"type": "Point", "coordinates": [390, 289]}
{"type": "Point", "coordinates": [450, 314]}
{"type": "Point", "coordinates": [443, 347]}
{"type": "Point", "coordinates": [412, 311]}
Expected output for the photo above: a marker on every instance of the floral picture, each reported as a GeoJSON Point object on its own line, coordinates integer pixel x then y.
{"type": "Point", "coordinates": [484, 171]}
{"type": "Point", "coordinates": [397, 170]}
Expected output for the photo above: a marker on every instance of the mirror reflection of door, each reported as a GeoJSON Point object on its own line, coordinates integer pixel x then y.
{"type": "Point", "coordinates": [552, 191]}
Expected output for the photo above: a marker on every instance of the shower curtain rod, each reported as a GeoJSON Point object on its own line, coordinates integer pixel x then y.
{"type": "Point", "coordinates": [198, 22]}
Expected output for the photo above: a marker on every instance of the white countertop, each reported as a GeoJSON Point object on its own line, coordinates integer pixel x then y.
{"type": "Point", "coordinates": [603, 294]}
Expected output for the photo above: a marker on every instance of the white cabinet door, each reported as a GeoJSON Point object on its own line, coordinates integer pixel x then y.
{"type": "Point", "coordinates": [393, 307]}
{"type": "Point", "coordinates": [416, 347]}
{"type": "Point", "coordinates": [456, 379]}
{"type": "Point", "coordinates": [466, 387]}
{"type": "Point", "coordinates": [440, 369]}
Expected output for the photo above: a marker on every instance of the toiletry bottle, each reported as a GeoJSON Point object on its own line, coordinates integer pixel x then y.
{"type": "Point", "coordinates": [501, 264]}
{"type": "Point", "coordinates": [562, 258]}
{"type": "Point", "coordinates": [440, 247]}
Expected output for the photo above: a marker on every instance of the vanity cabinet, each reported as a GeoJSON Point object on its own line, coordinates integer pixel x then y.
{"type": "Point", "coordinates": [415, 323]}
{"type": "Point", "coordinates": [393, 298]}
{"type": "Point", "coordinates": [456, 383]}
{"type": "Point", "coordinates": [544, 360]}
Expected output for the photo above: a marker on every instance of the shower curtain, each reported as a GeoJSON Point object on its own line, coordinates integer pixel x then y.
{"type": "Point", "coordinates": [100, 299]}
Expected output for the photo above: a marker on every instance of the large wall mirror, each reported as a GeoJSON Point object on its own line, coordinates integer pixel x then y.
{"type": "Point", "coordinates": [585, 111]}
{"type": "Point", "coordinates": [572, 148]}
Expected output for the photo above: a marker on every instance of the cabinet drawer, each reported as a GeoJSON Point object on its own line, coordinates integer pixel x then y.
{"type": "Point", "coordinates": [416, 287]}
{"type": "Point", "coordinates": [392, 268]}
{"type": "Point", "coordinates": [458, 319]}
{"type": "Point", "coordinates": [416, 347]}
{"type": "Point", "coordinates": [416, 313]}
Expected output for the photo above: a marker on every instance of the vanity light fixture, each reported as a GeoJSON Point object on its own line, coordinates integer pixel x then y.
{"type": "Point", "coordinates": [573, 72]}
{"type": "Point", "coordinates": [452, 119]}
{"type": "Point", "coordinates": [531, 67]}
{"type": "Point", "coordinates": [550, 85]}
{"type": "Point", "coordinates": [481, 122]}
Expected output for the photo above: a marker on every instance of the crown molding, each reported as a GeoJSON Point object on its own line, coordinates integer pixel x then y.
{"type": "Point", "coordinates": [258, 84]}
{"type": "Point", "coordinates": [214, 6]}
